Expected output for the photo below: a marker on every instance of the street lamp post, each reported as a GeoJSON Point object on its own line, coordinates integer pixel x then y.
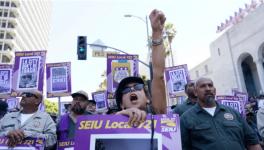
{"type": "Point", "coordinates": [148, 42]}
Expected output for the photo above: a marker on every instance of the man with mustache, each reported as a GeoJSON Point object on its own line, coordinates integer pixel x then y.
{"type": "Point", "coordinates": [132, 96]}
{"type": "Point", "coordinates": [212, 126]}
{"type": "Point", "coordinates": [189, 102]}
{"type": "Point", "coordinates": [67, 123]}
{"type": "Point", "coordinates": [28, 122]}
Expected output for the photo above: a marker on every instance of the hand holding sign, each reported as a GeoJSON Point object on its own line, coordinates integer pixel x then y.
{"type": "Point", "coordinates": [136, 116]}
{"type": "Point", "coordinates": [14, 137]}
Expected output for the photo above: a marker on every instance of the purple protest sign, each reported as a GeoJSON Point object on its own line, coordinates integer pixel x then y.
{"type": "Point", "coordinates": [113, 133]}
{"type": "Point", "coordinates": [5, 80]}
{"type": "Point", "coordinates": [58, 79]}
{"type": "Point", "coordinates": [66, 145]}
{"type": "Point", "coordinates": [176, 78]}
{"type": "Point", "coordinates": [28, 71]}
{"type": "Point", "coordinates": [100, 99]}
{"type": "Point", "coordinates": [233, 102]}
{"type": "Point", "coordinates": [118, 68]}
{"type": "Point", "coordinates": [242, 95]}
{"type": "Point", "coordinates": [12, 103]}
{"type": "Point", "coordinates": [26, 144]}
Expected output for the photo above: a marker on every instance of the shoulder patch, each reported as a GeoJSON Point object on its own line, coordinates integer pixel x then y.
{"type": "Point", "coordinates": [228, 116]}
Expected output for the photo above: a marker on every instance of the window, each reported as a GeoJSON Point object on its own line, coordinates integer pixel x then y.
{"type": "Point", "coordinates": [5, 59]}
{"type": "Point", "coordinates": [10, 25]}
{"type": "Point", "coordinates": [1, 46]}
{"type": "Point", "coordinates": [3, 23]}
{"type": "Point", "coordinates": [7, 47]}
{"type": "Point", "coordinates": [2, 3]}
{"type": "Point", "coordinates": [1, 13]}
{"type": "Point", "coordinates": [197, 73]}
{"type": "Point", "coordinates": [2, 34]}
{"type": "Point", "coordinates": [9, 36]}
{"type": "Point", "coordinates": [13, 4]}
{"type": "Point", "coordinates": [219, 52]}
{"type": "Point", "coordinates": [12, 14]}
{"type": "Point", "coordinates": [7, 4]}
{"type": "Point", "coordinates": [206, 68]}
{"type": "Point", "coordinates": [5, 13]}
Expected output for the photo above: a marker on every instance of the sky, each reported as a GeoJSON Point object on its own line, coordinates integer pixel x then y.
{"type": "Point", "coordinates": [195, 22]}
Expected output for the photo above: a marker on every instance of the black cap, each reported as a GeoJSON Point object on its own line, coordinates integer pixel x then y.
{"type": "Point", "coordinates": [123, 83]}
{"type": "Point", "coordinates": [92, 101]}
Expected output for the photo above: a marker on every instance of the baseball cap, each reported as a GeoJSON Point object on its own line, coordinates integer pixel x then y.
{"type": "Point", "coordinates": [80, 93]}
{"type": "Point", "coordinates": [35, 92]}
{"type": "Point", "coordinates": [92, 101]}
{"type": "Point", "coordinates": [123, 83]}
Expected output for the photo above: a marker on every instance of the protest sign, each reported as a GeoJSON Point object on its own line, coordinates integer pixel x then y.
{"type": "Point", "coordinates": [118, 68]}
{"type": "Point", "coordinates": [112, 132]}
{"type": "Point", "coordinates": [28, 71]}
{"type": "Point", "coordinates": [176, 78]}
{"type": "Point", "coordinates": [5, 80]}
{"type": "Point", "coordinates": [66, 145]}
{"type": "Point", "coordinates": [13, 103]}
{"type": "Point", "coordinates": [233, 102]}
{"type": "Point", "coordinates": [100, 99]}
{"type": "Point", "coordinates": [26, 144]}
{"type": "Point", "coordinates": [58, 79]}
{"type": "Point", "coordinates": [242, 95]}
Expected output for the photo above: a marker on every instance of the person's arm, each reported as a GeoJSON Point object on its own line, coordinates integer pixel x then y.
{"type": "Point", "coordinates": [158, 92]}
{"type": "Point", "coordinates": [185, 138]}
{"type": "Point", "coordinates": [49, 133]}
{"type": "Point", "coordinates": [260, 122]}
{"type": "Point", "coordinates": [254, 147]}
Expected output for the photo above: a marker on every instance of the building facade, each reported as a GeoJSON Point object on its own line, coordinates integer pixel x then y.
{"type": "Point", "coordinates": [24, 25]}
{"type": "Point", "coordinates": [237, 57]}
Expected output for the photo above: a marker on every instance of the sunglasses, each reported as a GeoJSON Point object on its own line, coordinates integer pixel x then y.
{"type": "Point", "coordinates": [136, 87]}
{"type": "Point", "coordinates": [26, 94]}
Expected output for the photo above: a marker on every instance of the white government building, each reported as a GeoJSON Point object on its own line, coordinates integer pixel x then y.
{"type": "Point", "coordinates": [237, 56]}
{"type": "Point", "coordinates": [24, 25]}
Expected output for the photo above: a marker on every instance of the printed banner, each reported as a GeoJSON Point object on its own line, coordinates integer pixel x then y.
{"type": "Point", "coordinates": [26, 144]}
{"type": "Point", "coordinates": [242, 95]}
{"type": "Point", "coordinates": [13, 103]}
{"type": "Point", "coordinates": [112, 132]}
{"type": "Point", "coordinates": [176, 78]}
{"type": "Point", "coordinates": [58, 79]}
{"type": "Point", "coordinates": [28, 72]}
{"type": "Point", "coordinates": [5, 80]}
{"type": "Point", "coordinates": [233, 102]}
{"type": "Point", "coordinates": [118, 68]}
{"type": "Point", "coordinates": [66, 145]}
{"type": "Point", "coordinates": [64, 107]}
{"type": "Point", "coordinates": [100, 99]}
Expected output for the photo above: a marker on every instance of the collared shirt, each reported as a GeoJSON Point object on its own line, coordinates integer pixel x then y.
{"type": "Point", "coordinates": [226, 130]}
{"type": "Point", "coordinates": [180, 109]}
{"type": "Point", "coordinates": [40, 125]}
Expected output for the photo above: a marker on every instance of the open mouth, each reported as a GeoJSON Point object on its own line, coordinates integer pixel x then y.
{"type": "Point", "coordinates": [133, 97]}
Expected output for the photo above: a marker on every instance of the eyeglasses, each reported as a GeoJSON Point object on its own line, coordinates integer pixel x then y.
{"type": "Point", "coordinates": [26, 94]}
{"type": "Point", "coordinates": [136, 87]}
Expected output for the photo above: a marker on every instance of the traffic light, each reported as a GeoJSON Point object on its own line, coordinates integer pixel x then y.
{"type": "Point", "coordinates": [82, 48]}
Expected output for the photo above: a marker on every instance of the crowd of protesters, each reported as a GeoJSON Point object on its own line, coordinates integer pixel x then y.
{"type": "Point", "coordinates": [205, 124]}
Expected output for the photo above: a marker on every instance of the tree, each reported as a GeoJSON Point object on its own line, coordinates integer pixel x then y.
{"type": "Point", "coordinates": [170, 32]}
{"type": "Point", "coordinates": [51, 107]}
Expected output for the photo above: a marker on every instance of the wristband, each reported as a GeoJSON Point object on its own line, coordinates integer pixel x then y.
{"type": "Point", "coordinates": [157, 42]}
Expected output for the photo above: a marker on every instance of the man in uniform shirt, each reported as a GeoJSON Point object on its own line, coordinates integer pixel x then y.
{"type": "Point", "coordinates": [190, 101]}
{"type": "Point", "coordinates": [29, 122]}
{"type": "Point", "coordinates": [212, 126]}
